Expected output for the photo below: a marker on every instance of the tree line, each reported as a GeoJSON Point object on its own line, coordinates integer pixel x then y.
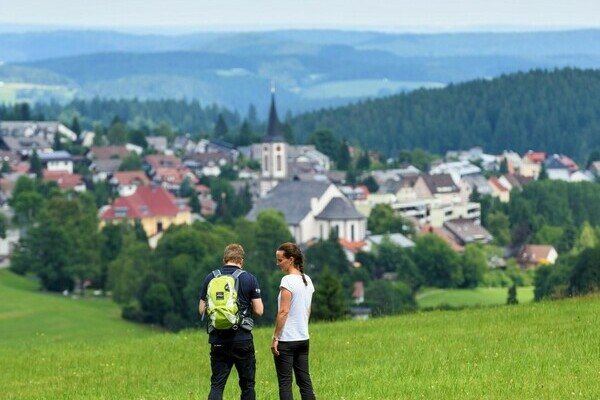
{"type": "Point", "coordinates": [552, 111]}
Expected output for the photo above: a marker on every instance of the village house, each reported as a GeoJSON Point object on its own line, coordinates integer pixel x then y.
{"type": "Point", "coordinates": [57, 161]}
{"type": "Point", "coordinates": [25, 146]}
{"type": "Point", "coordinates": [535, 255]}
{"type": "Point", "coordinates": [127, 182]}
{"type": "Point", "coordinates": [46, 130]}
{"type": "Point", "coordinates": [153, 206]}
{"type": "Point", "coordinates": [65, 180]}
{"type": "Point", "coordinates": [531, 164]}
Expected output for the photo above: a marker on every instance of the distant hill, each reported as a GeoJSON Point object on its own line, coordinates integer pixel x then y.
{"type": "Point", "coordinates": [553, 111]}
{"type": "Point", "coordinates": [311, 69]}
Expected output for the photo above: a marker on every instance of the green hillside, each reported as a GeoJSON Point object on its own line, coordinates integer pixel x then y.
{"type": "Point", "coordinates": [28, 316]}
{"type": "Point", "coordinates": [543, 350]}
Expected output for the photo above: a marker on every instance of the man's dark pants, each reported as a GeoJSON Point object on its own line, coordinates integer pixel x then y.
{"type": "Point", "coordinates": [293, 356]}
{"type": "Point", "coordinates": [222, 358]}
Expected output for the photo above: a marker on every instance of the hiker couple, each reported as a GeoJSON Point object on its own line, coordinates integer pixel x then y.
{"type": "Point", "coordinates": [230, 296]}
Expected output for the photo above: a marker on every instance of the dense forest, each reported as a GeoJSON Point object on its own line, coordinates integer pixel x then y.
{"type": "Point", "coordinates": [554, 111]}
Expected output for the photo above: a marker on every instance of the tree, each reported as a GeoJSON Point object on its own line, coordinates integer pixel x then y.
{"type": "Point", "coordinates": [393, 258]}
{"type": "Point", "coordinates": [364, 161]}
{"type": "Point", "coordinates": [157, 302]}
{"type": "Point", "coordinates": [512, 295]}
{"type": "Point", "coordinates": [75, 127]}
{"type": "Point", "coordinates": [504, 166]}
{"type": "Point", "coordinates": [132, 162]}
{"type": "Point", "coordinates": [343, 158]}
{"type": "Point", "coordinates": [383, 220]}
{"type": "Point", "coordinates": [474, 266]}
{"type": "Point", "coordinates": [371, 184]}
{"type": "Point", "coordinates": [498, 225]}
{"type": "Point", "coordinates": [388, 298]}
{"type": "Point", "coordinates": [35, 165]}
{"type": "Point", "coordinates": [438, 263]}
{"type": "Point", "coordinates": [3, 226]}
{"type": "Point", "coordinates": [329, 301]}
{"type": "Point", "coordinates": [221, 128]}
{"type": "Point", "coordinates": [585, 275]}
{"type": "Point", "coordinates": [328, 253]}
{"type": "Point", "coordinates": [587, 239]}
{"type": "Point", "coordinates": [138, 137]}
{"type": "Point", "coordinates": [128, 267]}
{"type": "Point", "coordinates": [117, 133]}
{"type": "Point", "coordinates": [245, 136]}
{"type": "Point", "coordinates": [326, 142]}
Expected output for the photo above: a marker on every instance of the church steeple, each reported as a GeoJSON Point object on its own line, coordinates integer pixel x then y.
{"type": "Point", "coordinates": [273, 133]}
{"type": "Point", "coordinates": [274, 152]}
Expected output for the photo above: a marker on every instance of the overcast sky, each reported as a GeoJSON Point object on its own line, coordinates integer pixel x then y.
{"type": "Point", "coordinates": [403, 15]}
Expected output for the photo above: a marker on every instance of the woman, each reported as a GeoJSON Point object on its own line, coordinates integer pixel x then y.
{"type": "Point", "coordinates": [290, 339]}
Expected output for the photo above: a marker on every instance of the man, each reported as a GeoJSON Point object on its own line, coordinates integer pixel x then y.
{"type": "Point", "coordinates": [234, 347]}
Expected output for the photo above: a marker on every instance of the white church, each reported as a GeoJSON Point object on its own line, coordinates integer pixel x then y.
{"type": "Point", "coordinates": [313, 209]}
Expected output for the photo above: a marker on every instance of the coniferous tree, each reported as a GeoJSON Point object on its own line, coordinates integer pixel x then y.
{"type": "Point", "coordinates": [35, 165]}
{"type": "Point", "coordinates": [221, 128]}
{"type": "Point", "coordinates": [343, 159]}
{"type": "Point", "coordinates": [330, 302]}
{"type": "Point", "coordinates": [512, 295]}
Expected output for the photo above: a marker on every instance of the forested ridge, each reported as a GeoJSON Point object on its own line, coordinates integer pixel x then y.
{"type": "Point", "coordinates": [554, 111]}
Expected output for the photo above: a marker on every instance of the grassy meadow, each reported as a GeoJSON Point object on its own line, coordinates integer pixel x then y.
{"type": "Point", "coordinates": [457, 298]}
{"type": "Point", "coordinates": [548, 350]}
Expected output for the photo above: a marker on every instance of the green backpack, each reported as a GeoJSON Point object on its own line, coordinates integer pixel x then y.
{"type": "Point", "coordinates": [222, 301]}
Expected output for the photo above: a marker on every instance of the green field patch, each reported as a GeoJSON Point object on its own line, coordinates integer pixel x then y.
{"type": "Point", "coordinates": [458, 298]}
{"type": "Point", "coordinates": [363, 87]}
{"type": "Point", "coordinates": [12, 92]}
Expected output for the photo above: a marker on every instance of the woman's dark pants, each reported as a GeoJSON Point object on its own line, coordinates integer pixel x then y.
{"type": "Point", "coordinates": [293, 356]}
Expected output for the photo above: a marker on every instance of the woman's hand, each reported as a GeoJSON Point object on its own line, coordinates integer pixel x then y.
{"type": "Point", "coordinates": [274, 346]}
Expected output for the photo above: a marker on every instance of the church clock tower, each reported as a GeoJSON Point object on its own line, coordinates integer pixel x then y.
{"type": "Point", "coordinates": [274, 152]}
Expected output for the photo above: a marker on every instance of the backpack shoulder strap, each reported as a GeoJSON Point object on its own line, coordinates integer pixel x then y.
{"type": "Point", "coordinates": [216, 273]}
{"type": "Point", "coordinates": [237, 273]}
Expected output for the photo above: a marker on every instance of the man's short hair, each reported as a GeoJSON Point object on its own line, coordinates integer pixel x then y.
{"type": "Point", "coordinates": [234, 253]}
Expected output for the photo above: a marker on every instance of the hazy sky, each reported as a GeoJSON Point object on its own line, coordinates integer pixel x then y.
{"type": "Point", "coordinates": [415, 15]}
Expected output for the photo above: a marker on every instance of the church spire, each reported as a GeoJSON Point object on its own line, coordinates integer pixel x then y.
{"type": "Point", "coordinates": [273, 133]}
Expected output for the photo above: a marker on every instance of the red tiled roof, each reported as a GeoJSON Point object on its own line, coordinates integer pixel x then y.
{"type": "Point", "coordinates": [129, 177]}
{"type": "Point", "coordinates": [108, 152]}
{"type": "Point", "coordinates": [147, 201]}
{"type": "Point", "coordinates": [161, 161]}
{"type": "Point", "coordinates": [570, 164]}
{"type": "Point", "coordinates": [22, 167]}
{"type": "Point", "coordinates": [536, 157]}
{"type": "Point", "coordinates": [534, 253]}
{"type": "Point", "coordinates": [174, 175]}
{"type": "Point", "coordinates": [442, 234]}
{"type": "Point", "coordinates": [353, 247]}
{"type": "Point", "coordinates": [496, 183]}
{"type": "Point", "coordinates": [64, 180]}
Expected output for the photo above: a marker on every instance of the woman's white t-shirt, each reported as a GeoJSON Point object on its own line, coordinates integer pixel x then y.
{"type": "Point", "coordinates": [296, 324]}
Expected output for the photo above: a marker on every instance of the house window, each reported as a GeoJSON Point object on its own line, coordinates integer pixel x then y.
{"type": "Point", "coordinates": [278, 162]}
{"type": "Point", "coordinates": [266, 164]}
{"type": "Point", "coordinates": [321, 232]}
{"type": "Point", "coordinates": [352, 233]}
{"type": "Point", "coordinates": [159, 227]}
{"type": "Point", "coordinates": [120, 212]}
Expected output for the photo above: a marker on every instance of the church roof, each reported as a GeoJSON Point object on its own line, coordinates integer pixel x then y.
{"type": "Point", "coordinates": [339, 208]}
{"type": "Point", "coordinates": [273, 133]}
{"type": "Point", "coordinates": [292, 198]}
